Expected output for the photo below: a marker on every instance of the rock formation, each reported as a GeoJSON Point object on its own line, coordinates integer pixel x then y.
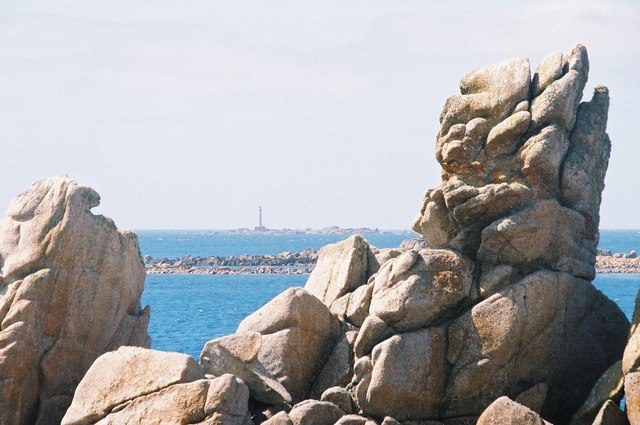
{"type": "Point", "coordinates": [138, 385]}
{"type": "Point", "coordinates": [496, 322]}
{"type": "Point", "coordinates": [523, 169]}
{"type": "Point", "coordinates": [502, 301]}
{"type": "Point", "coordinates": [69, 291]}
{"type": "Point", "coordinates": [278, 349]}
{"type": "Point", "coordinates": [504, 411]}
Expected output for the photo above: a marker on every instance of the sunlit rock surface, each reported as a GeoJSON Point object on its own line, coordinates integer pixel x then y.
{"type": "Point", "coordinates": [70, 289]}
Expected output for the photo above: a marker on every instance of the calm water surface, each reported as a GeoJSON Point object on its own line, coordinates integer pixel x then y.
{"type": "Point", "coordinates": [178, 243]}
{"type": "Point", "coordinates": [189, 310]}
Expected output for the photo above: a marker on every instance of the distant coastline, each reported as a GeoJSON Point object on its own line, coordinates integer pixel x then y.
{"type": "Point", "coordinates": [331, 230]}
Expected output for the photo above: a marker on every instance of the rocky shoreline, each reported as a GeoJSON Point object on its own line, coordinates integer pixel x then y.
{"type": "Point", "coordinates": [305, 261]}
{"type": "Point", "coordinates": [497, 322]}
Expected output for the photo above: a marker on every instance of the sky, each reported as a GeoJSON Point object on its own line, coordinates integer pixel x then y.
{"type": "Point", "coordinates": [189, 114]}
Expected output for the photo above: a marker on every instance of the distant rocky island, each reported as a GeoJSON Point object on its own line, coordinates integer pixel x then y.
{"type": "Point", "coordinates": [331, 230]}
{"type": "Point", "coordinates": [496, 322]}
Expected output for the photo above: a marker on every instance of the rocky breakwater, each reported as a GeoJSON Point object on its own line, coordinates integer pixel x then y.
{"type": "Point", "coordinates": [70, 288]}
{"type": "Point", "coordinates": [283, 263]}
{"type": "Point", "coordinates": [497, 322]}
{"type": "Point", "coordinates": [608, 262]}
{"type": "Point", "coordinates": [304, 262]}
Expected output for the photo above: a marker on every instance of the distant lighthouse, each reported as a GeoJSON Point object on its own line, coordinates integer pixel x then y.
{"type": "Point", "coordinates": [260, 226]}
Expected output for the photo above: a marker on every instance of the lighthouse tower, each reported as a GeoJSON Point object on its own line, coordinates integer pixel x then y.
{"type": "Point", "coordinates": [260, 226]}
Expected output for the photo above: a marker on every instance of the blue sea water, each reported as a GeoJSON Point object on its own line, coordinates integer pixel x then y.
{"type": "Point", "coordinates": [188, 310]}
{"type": "Point", "coordinates": [621, 288]}
{"type": "Point", "coordinates": [619, 240]}
{"type": "Point", "coordinates": [178, 243]}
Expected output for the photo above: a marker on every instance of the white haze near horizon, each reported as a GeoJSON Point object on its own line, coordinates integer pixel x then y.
{"type": "Point", "coordinates": [190, 114]}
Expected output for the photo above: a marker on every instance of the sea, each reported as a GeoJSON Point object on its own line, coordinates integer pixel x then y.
{"type": "Point", "coordinates": [189, 310]}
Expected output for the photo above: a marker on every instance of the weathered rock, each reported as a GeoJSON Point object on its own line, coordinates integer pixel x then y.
{"type": "Point", "coordinates": [314, 412]}
{"type": "Point", "coordinates": [341, 268]}
{"type": "Point", "coordinates": [610, 386]}
{"type": "Point", "coordinates": [503, 138]}
{"type": "Point", "coordinates": [559, 101]}
{"type": "Point", "coordinates": [373, 331]}
{"type": "Point", "coordinates": [631, 358]}
{"type": "Point", "coordinates": [237, 354]}
{"type": "Point", "coordinates": [417, 244]}
{"type": "Point", "coordinates": [135, 385]}
{"type": "Point", "coordinates": [534, 397]}
{"type": "Point", "coordinates": [70, 288]}
{"type": "Point", "coordinates": [632, 396]}
{"type": "Point", "coordinates": [494, 279]}
{"type": "Point", "coordinates": [492, 92]}
{"type": "Point", "coordinates": [546, 233]}
{"type": "Point", "coordinates": [340, 397]}
{"type": "Point", "coordinates": [631, 368]}
{"type": "Point", "coordinates": [584, 168]}
{"type": "Point", "coordinates": [542, 156]}
{"type": "Point", "coordinates": [549, 70]}
{"type": "Point", "coordinates": [352, 420]}
{"type": "Point", "coordinates": [541, 331]}
{"type": "Point", "coordinates": [504, 411]}
{"type": "Point", "coordinates": [354, 306]}
{"type": "Point", "coordinates": [415, 289]}
{"type": "Point", "coordinates": [434, 220]}
{"type": "Point", "coordinates": [408, 375]}
{"type": "Point", "coordinates": [281, 418]}
{"type": "Point", "coordinates": [385, 254]}
{"type": "Point", "coordinates": [610, 414]}
{"type": "Point", "coordinates": [277, 350]}
{"type": "Point", "coordinates": [511, 337]}
{"type": "Point", "coordinates": [338, 369]}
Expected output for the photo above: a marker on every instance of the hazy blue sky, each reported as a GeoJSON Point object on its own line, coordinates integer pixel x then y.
{"type": "Point", "coordinates": [190, 114]}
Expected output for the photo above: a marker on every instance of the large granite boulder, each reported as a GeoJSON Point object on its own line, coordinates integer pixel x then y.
{"type": "Point", "coordinates": [538, 330]}
{"type": "Point", "coordinates": [504, 411]}
{"type": "Point", "coordinates": [138, 385]}
{"type": "Point", "coordinates": [278, 350]}
{"type": "Point", "coordinates": [70, 288]}
{"type": "Point", "coordinates": [416, 289]}
{"type": "Point", "coordinates": [342, 267]}
{"type": "Point", "coordinates": [406, 375]}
